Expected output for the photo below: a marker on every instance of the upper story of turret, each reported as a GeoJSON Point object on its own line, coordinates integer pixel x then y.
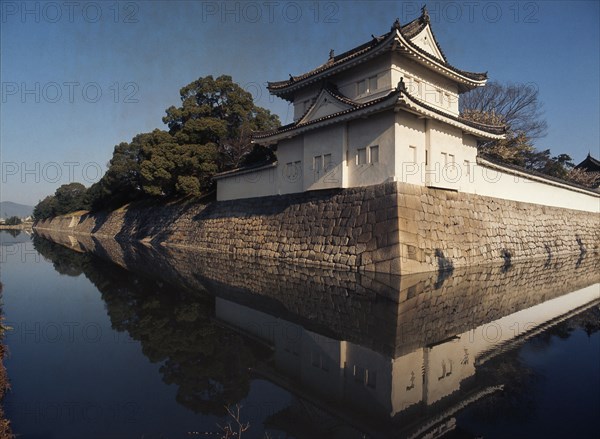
{"type": "Point", "coordinates": [372, 70]}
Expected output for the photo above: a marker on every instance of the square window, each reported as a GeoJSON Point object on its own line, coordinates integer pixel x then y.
{"type": "Point", "coordinates": [361, 87]}
{"type": "Point", "coordinates": [372, 83]}
{"type": "Point", "coordinates": [413, 153]}
{"type": "Point", "coordinates": [374, 152]}
{"type": "Point", "coordinates": [315, 359]}
{"type": "Point", "coordinates": [327, 162]}
{"type": "Point", "coordinates": [372, 379]}
{"type": "Point", "coordinates": [359, 374]}
{"type": "Point", "coordinates": [318, 163]}
{"type": "Point", "coordinates": [361, 156]}
{"type": "Point", "coordinates": [417, 87]}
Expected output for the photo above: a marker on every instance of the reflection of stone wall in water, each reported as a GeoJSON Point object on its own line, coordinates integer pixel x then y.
{"type": "Point", "coordinates": [389, 228]}
{"type": "Point", "coordinates": [209, 365]}
{"type": "Point", "coordinates": [390, 314]}
{"type": "Point", "coordinates": [422, 336]}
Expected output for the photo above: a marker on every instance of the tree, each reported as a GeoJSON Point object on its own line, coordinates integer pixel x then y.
{"type": "Point", "coordinates": [221, 113]}
{"type": "Point", "coordinates": [208, 133]}
{"type": "Point", "coordinates": [122, 181]}
{"type": "Point", "coordinates": [45, 209]}
{"type": "Point", "coordinates": [518, 107]}
{"type": "Point", "coordinates": [584, 178]}
{"type": "Point", "coordinates": [515, 105]}
{"type": "Point", "coordinates": [70, 197]}
{"type": "Point", "coordinates": [13, 221]}
{"type": "Point", "coordinates": [67, 198]}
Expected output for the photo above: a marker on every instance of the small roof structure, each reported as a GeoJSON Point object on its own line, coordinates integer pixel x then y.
{"type": "Point", "coordinates": [589, 164]}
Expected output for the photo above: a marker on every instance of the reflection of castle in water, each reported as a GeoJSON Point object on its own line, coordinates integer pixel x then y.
{"type": "Point", "coordinates": [355, 376]}
{"type": "Point", "coordinates": [378, 353]}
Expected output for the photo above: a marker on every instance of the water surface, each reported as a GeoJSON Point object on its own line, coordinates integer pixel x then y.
{"type": "Point", "coordinates": [121, 341]}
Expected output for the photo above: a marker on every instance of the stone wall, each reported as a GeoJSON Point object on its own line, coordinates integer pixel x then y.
{"type": "Point", "coordinates": [391, 228]}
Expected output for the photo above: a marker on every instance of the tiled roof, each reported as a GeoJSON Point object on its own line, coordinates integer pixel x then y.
{"type": "Point", "coordinates": [407, 31]}
{"type": "Point", "coordinates": [492, 129]}
{"type": "Point", "coordinates": [394, 99]}
{"type": "Point", "coordinates": [589, 164]}
{"type": "Point", "coordinates": [483, 156]}
{"type": "Point", "coordinates": [245, 169]}
{"type": "Point", "coordinates": [355, 107]}
{"type": "Point", "coordinates": [412, 29]}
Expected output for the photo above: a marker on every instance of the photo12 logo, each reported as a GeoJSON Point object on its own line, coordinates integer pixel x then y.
{"type": "Point", "coordinates": [50, 172]}
{"type": "Point", "coordinates": [69, 12]}
{"type": "Point", "coordinates": [269, 12]}
{"type": "Point", "coordinates": [473, 11]}
{"type": "Point", "coordinates": [69, 91]}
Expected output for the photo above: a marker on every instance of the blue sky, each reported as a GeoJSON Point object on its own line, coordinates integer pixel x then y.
{"type": "Point", "coordinates": [78, 78]}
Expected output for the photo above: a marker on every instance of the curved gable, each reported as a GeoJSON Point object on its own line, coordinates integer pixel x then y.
{"type": "Point", "coordinates": [325, 105]}
{"type": "Point", "coordinates": [426, 41]}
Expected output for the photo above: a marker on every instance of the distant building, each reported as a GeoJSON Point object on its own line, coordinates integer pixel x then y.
{"type": "Point", "coordinates": [589, 164]}
{"type": "Point", "coordinates": [386, 110]}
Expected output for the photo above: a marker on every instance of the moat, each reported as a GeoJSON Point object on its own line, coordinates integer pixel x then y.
{"type": "Point", "coordinates": [112, 340]}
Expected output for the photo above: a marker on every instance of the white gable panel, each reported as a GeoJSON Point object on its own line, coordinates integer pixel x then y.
{"type": "Point", "coordinates": [424, 40]}
{"type": "Point", "coordinates": [324, 106]}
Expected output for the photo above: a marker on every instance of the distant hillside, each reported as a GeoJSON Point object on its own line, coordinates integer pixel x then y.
{"type": "Point", "coordinates": [8, 209]}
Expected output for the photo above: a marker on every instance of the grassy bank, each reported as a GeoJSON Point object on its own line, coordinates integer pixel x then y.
{"type": "Point", "coordinates": [5, 431]}
{"type": "Point", "coordinates": [24, 226]}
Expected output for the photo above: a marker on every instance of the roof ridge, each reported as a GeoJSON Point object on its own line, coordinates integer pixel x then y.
{"type": "Point", "coordinates": [333, 91]}
{"type": "Point", "coordinates": [406, 32]}
{"type": "Point", "coordinates": [299, 124]}
{"type": "Point", "coordinates": [494, 129]}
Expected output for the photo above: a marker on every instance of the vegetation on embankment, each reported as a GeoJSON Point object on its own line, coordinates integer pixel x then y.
{"type": "Point", "coordinates": [5, 431]}
{"type": "Point", "coordinates": [21, 226]}
{"type": "Point", "coordinates": [209, 132]}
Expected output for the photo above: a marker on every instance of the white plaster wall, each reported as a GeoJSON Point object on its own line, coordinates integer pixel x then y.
{"type": "Point", "coordinates": [410, 163]}
{"type": "Point", "coordinates": [379, 66]}
{"type": "Point", "coordinates": [425, 41]}
{"type": "Point", "coordinates": [493, 183]}
{"type": "Point", "coordinates": [320, 359]}
{"type": "Point", "coordinates": [253, 184]}
{"type": "Point", "coordinates": [327, 140]}
{"type": "Point", "coordinates": [290, 151]}
{"type": "Point", "coordinates": [407, 381]}
{"type": "Point", "coordinates": [308, 93]}
{"type": "Point", "coordinates": [296, 349]}
{"type": "Point", "coordinates": [431, 83]}
{"type": "Point", "coordinates": [359, 394]}
{"type": "Point", "coordinates": [446, 366]}
{"type": "Point", "coordinates": [416, 136]}
{"type": "Point", "coordinates": [363, 133]}
{"type": "Point", "coordinates": [446, 171]}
